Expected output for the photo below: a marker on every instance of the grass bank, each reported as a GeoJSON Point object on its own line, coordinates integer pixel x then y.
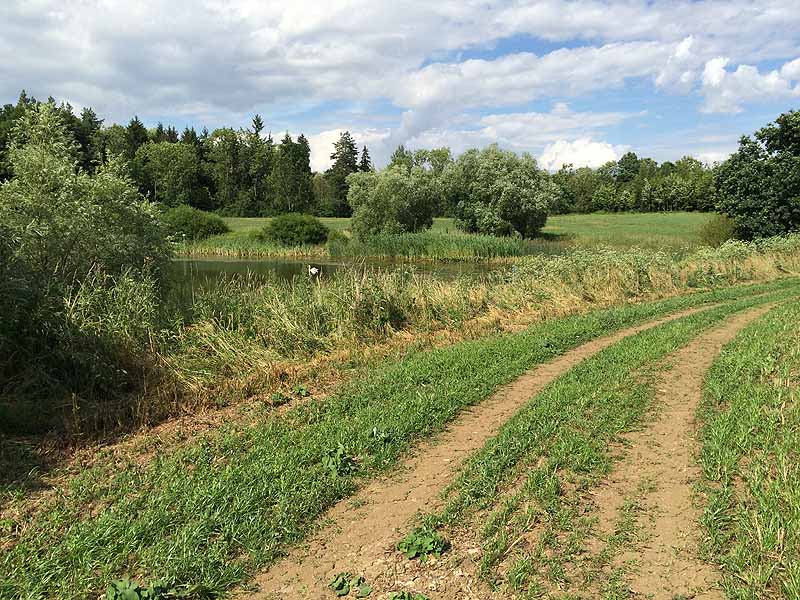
{"type": "Point", "coordinates": [203, 517]}
{"type": "Point", "coordinates": [750, 449]}
{"type": "Point", "coordinates": [672, 231]}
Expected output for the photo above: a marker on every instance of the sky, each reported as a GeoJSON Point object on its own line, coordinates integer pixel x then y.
{"type": "Point", "coordinates": [576, 82]}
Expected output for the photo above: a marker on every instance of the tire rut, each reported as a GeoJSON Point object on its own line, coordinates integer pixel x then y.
{"type": "Point", "coordinates": [360, 532]}
{"type": "Point", "coordinates": [667, 565]}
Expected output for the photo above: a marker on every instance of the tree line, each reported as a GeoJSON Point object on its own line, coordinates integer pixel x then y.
{"type": "Point", "coordinates": [235, 172]}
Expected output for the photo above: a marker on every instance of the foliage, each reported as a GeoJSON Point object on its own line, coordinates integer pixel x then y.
{"type": "Point", "coordinates": [421, 543]}
{"type": "Point", "coordinates": [80, 252]}
{"type": "Point", "coordinates": [391, 201]}
{"type": "Point", "coordinates": [191, 224]}
{"type": "Point", "coordinates": [406, 595]}
{"type": "Point", "coordinates": [344, 582]}
{"type": "Point", "coordinates": [168, 173]}
{"type": "Point", "coordinates": [127, 589]}
{"type": "Point", "coordinates": [759, 185]}
{"type": "Point", "coordinates": [499, 193]}
{"type": "Point", "coordinates": [345, 163]}
{"type": "Point", "coordinates": [717, 231]}
{"type": "Point", "coordinates": [67, 223]}
{"type": "Point", "coordinates": [294, 229]}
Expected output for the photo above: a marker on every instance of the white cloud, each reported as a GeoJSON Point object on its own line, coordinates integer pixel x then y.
{"type": "Point", "coordinates": [582, 152]}
{"type": "Point", "coordinates": [726, 91]}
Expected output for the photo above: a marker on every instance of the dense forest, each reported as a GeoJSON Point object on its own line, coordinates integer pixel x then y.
{"type": "Point", "coordinates": [247, 173]}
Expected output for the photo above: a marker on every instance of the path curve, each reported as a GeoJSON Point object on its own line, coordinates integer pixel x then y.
{"type": "Point", "coordinates": [364, 529]}
{"type": "Point", "coordinates": [665, 453]}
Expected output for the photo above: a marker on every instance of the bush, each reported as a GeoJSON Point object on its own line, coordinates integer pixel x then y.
{"type": "Point", "coordinates": [193, 224]}
{"type": "Point", "coordinates": [718, 230]}
{"type": "Point", "coordinates": [295, 229]}
{"type": "Point", "coordinates": [396, 200]}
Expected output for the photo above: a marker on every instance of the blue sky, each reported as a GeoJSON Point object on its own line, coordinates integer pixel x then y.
{"type": "Point", "coordinates": [579, 81]}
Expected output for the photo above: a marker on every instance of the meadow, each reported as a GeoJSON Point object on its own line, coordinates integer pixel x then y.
{"type": "Point", "coordinates": [667, 230]}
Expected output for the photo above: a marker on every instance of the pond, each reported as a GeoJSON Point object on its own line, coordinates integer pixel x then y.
{"type": "Point", "coordinates": [204, 272]}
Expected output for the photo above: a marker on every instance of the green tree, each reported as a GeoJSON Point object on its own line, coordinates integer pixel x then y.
{"type": "Point", "coordinates": [345, 162]}
{"type": "Point", "coordinates": [395, 200]}
{"type": "Point", "coordinates": [402, 158]}
{"type": "Point", "coordinates": [365, 164]}
{"type": "Point", "coordinates": [759, 185]}
{"type": "Point", "coordinates": [136, 136]}
{"type": "Point", "coordinates": [499, 193]}
{"type": "Point", "coordinates": [67, 223]}
{"type": "Point", "coordinates": [291, 176]}
{"type": "Point", "coordinates": [169, 173]}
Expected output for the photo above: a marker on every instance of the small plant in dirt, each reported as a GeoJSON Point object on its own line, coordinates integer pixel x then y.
{"type": "Point", "coordinates": [407, 596]}
{"type": "Point", "coordinates": [343, 583]}
{"type": "Point", "coordinates": [128, 589]}
{"type": "Point", "coordinates": [278, 399]}
{"type": "Point", "coordinates": [339, 462]}
{"type": "Point", "coordinates": [421, 543]}
{"type": "Point", "coordinates": [301, 390]}
{"type": "Point", "coordinates": [293, 229]}
{"type": "Point", "coordinates": [381, 436]}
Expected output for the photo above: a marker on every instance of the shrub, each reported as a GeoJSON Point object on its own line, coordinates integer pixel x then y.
{"type": "Point", "coordinates": [193, 224]}
{"type": "Point", "coordinates": [718, 230]}
{"type": "Point", "coordinates": [396, 200]}
{"type": "Point", "coordinates": [295, 229]}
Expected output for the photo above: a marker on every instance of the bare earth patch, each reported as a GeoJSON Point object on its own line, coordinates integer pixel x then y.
{"type": "Point", "coordinates": [362, 531]}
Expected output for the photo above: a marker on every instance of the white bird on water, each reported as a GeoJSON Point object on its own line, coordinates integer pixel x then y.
{"type": "Point", "coordinates": [313, 271]}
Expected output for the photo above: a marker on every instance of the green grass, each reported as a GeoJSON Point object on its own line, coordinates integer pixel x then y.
{"type": "Point", "coordinates": [751, 446]}
{"type": "Point", "coordinates": [206, 516]}
{"type": "Point", "coordinates": [444, 241]}
{"type": "Point", "coordinates": [668, 230]}
{"type": "Point", "coordinates": [559, 444]}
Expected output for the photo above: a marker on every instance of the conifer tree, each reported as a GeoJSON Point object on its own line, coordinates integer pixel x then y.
{"type": "Point", "coordinates": [365, 164]}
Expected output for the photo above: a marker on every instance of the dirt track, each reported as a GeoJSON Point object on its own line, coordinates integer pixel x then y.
{"type": "Point", "coordinates": [363, 530]}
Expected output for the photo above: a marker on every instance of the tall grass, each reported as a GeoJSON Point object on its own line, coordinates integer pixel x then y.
{"type": "Point", "coordinates": [241, 323]}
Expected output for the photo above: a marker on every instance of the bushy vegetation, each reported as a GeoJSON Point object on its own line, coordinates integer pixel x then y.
{"type": "Point", "coordinates": [499, 193]}
{"type": "Point", "coordinates": [759, 185]}
{"type": "Point", "coordinates": [718, 230]}
{"type": "Point", "coordinates": [635, 184]}
{"type": "Point", "coordinates": [84, 256]}
{"type": "Point", "coordinates": [295, 229]}
{"type": "Point", "coordinates": [395, 200]}
{"type": "Point", "coordinates": [191, 224]}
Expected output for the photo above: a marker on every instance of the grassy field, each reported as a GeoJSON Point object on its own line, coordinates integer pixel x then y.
{"type": "Point", "coordinates": [749, 458]}
{"type": "Point", "coordinates": [665, 231]}
{"type": "Point", "coordinates": [201, 518]}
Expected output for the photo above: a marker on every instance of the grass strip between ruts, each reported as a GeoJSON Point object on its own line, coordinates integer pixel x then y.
{"type": "Point", "coordinates": [751, 446]}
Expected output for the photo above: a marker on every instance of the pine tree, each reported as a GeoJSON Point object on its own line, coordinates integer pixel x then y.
{"type": "Point", "coordinates": [160, 134]}
{"type": "Point", "coordinates": [171, 135]}
{"type": "Point", "coordinates": [258, 125]}
{"type": "Point", "coordinates": [136, 137]}
{"type": "Point", "coordinates": [402, 157]}
{"type": "Point", "coordinates": [365, 164]}
{"type": "Point", "coordinates": [88, 137]}
{"type": "Point", "coordinates": [345, 162]}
